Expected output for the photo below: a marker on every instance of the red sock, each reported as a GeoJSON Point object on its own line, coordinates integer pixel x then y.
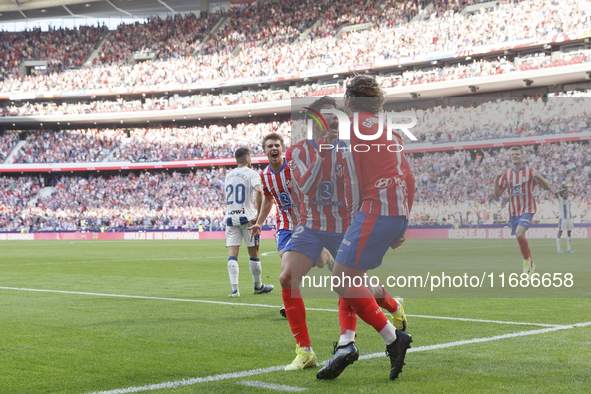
{"type": "Point", "coordinates": [388, 303]}
{"type": "Point", "coordinates": [363, 303]}
{"type": "Point", "coordinates": [296, 316]}
{"type": "Point", "coordinates": [524, 247]}
{"type": "Point", "coordinates": [347, 316]}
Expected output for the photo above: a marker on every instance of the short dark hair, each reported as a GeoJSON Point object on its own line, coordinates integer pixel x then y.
{"type": "Point", "coordinates": [241, 155]}
{"type": "Point", "coordinates": [322, 101]}
{"type": "Point", "coordinates": [365, 94]}
{"type": "Point", "coordinates": [273, 136]}
{"type": "Point", "coordinates": [519, 148]}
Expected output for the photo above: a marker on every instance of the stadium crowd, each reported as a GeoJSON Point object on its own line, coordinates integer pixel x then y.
{"type": "Point", "coordinates": [71, 146]}
{"type": "Point", "coordinates": [381, 43]}
{"type": "Point", "coordinates": [407, 78]}
{"type": "Point", "coordinates": [15, 194]}
{"type": "Point", "coordinates": [459, 187]}
{"type": "Point", "coordinates": [61, 48]}
{"type": "Point", "coordinates": [472, 121]}
{"type": "Point", "coordinates": [171, 37]}
{"type": "Point", "coordinates": [7, 143]}
{"type": "Point", "coordinates": [451, 188]}
{"type": "Point", "coordinates": [212, 141]}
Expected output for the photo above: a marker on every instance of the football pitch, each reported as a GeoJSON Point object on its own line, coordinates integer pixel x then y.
{"type": "Point", "coordinates": [154, 316]}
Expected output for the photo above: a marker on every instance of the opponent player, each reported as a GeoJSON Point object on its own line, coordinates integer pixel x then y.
{"type": "Point", "coordinates": [385, 184]}
{"type": "Point", "coordinates": [566, 218]}
{"type": "Point", "coordinates": [520, 180]}
{"type": "Point", "coordinates": [242, 186]}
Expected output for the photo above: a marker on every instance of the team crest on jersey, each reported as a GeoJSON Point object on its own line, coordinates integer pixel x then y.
{"type": "Point", "coordinates": [340, 170]}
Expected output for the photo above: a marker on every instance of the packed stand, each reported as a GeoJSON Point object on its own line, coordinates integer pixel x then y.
{"type": "Point", "coordinates": [68, 146]}
{"type": "Point", "coordinates": [451, 189]}
{"type": "Point", "coordinates": [382, 43]}
{"type": "Point", "coordinates": [148, 200]}
{"type": "Point", "coordinates": [62, 48]}
{"type": "Point", "coordinates": [15, 194]}
{"type": "Point", "coordinates": [264, 24]}
{"type": "Point", "coordinates": [7, 142]}
{"type": "Point", "coordinates": [459, 187]}
{"type": "Point", "coordinates": [165, 144]}
{"type": "Point", "coordinates": [172, 37]}
{"type": "Point", "coordinates": [502, 119]}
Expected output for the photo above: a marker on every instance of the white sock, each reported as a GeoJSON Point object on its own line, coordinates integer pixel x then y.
{"type": "Point", "coordinates": [558, 243]}
{"type": "Point", "coordinates": [233, 272]}
{"type": "Point", "coordinates": [347, 337]}
{"type": "Point", "coordinates": [255, 270]}
{"type": "Point", "coordinates": [568, 243]}
{"type": "Point", "coordinates": [388, 333]}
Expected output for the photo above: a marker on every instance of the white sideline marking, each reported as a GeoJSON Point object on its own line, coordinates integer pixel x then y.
{"type": "Point", "coordinates": [263, 305]}
{"type": "Point", "coordinates": [485, 321]}
{"type": "Point", "coordinates": [271, 386]}
{"type": "Point", "coordinates": [115, 261]}
{"type": "Point", "coordinates": [252, 372]}
{"type": "Point", "coordinates": [268, 253]}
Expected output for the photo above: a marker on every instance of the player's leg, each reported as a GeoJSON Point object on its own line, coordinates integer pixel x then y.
{"type": "Point", "coordinates": [528, 265]}
{"type": "Point", "coordinates": [345, 351]}
{"type": "Point", "coordinates": [254, 263]}
{"type": "Point", "coordinates": [392, 304]}
{"type": "Point", "coordinates": [233, 270]}
{"type": "Point", "coordinates": [568, 236]}
{"type": "Point", "coordinates": [558, 249]}
{"type": "Point", "coordinates": [294, 265]}
{"type": "Point", "coordinates": [364, 245]}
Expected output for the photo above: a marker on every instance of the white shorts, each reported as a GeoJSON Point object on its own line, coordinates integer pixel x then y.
{"type": "Point", "coordinates": [235, 234]}
{"type": "Point", "coordinates": [565, 225]}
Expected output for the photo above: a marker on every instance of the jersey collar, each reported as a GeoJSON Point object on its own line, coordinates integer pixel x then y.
{"type": "Point", "coordinates": [282, 167]}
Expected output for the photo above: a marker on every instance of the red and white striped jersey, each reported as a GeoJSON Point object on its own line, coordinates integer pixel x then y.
{"type": "Point", "coordinates": [326, 186]}
{"type": "Point", "coordinates": [383, 172]}
{"type": "Point", "coordinates": [521, 186]}
{"type": "Point", "coordinates": [277, 184]}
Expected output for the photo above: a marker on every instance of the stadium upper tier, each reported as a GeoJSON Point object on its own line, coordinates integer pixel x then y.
{"type": "Point", "coordinates": [490, 120]}
{"type": "Point", "coordinates": [407, 79]}
{"type": "Point", "coordinates": [263, 52]}
{"type": "Point", "coordinates": [450, 187]}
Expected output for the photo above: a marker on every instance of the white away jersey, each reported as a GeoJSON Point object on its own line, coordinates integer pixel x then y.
{"type": "Point", "coordinates": [564, 204]}
{"type": "Point", "coordinates": [239, 188]}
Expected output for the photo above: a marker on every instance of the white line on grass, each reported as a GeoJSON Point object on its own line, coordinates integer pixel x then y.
{"type": "Point", "coordinates": [252, 372]}
{"type": "Point", "coordinates": [261, 305]}
{"type": "Point", "coordinates": [271, 386]}
{"type": "Point", "coordinates": [115, 261]}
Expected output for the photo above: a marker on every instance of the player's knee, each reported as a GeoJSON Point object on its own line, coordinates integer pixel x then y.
{"type": "Point", "coordinates": [285, 279]}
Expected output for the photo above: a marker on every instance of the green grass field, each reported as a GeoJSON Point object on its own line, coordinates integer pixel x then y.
{"type": "Point", "coordinates": [90, 336]}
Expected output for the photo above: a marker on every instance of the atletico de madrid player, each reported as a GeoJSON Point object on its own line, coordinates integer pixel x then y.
{"type": "Point", "coordinates": [520, 180]}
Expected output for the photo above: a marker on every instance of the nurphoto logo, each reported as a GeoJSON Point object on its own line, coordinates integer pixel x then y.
{"type": "Point", "coordinates": [392, 121]}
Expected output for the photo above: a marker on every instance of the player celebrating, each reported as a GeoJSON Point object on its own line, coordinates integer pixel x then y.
{"type": "Point", "coordinates": [277, 189]}
{"type": "Point", "coordinates": [385, 184]}
{"type": "Point", "coordinates": [566, 219]}
{"type": "Point", "coordinates": [520, 180]}
{"type": "Point", "coordinates": [241, 185]}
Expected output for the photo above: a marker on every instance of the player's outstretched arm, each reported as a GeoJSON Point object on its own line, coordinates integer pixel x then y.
{"type": "Point", "coordinates": [498, 189]}
{"type": "Point", "coordinates": [541, 180]}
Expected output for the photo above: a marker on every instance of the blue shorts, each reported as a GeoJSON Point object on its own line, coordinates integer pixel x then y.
{"type": "Point", "coordinates": [523, 220]}
{"type": "Point", "coordinates": [368, 238]}
{"type": "Point", "coordinates": [281, 238]}
{"type": "Point", "coordinates": [311, 242]}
